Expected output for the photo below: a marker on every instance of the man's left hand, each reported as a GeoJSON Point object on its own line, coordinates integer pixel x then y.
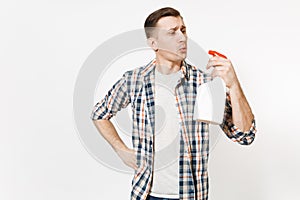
{"type": "Point", "coordinates": [223, 68]}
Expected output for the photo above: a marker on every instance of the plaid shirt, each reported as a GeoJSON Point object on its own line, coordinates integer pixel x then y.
{"type": "Point", "coordinates": [137, 88]}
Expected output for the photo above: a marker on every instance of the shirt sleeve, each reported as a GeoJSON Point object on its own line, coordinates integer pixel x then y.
{"type": "Point", "coordinates": [232, 131]}
{"type": "Point", "coordinates": [116, 99]}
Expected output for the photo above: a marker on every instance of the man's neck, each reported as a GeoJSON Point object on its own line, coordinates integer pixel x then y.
{"type": "Point", "coordinates": [167, 67]}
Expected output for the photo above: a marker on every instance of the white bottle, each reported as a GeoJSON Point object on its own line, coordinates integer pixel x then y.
{"type": "Point", "coordinates": [210, 101]}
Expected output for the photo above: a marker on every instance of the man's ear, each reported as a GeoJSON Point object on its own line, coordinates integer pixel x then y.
{"type": "Point", "coordinates": [152, 43]}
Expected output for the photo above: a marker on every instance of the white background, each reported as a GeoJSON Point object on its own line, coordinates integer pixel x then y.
{"type": "Point", "coordinates": [43, 45]}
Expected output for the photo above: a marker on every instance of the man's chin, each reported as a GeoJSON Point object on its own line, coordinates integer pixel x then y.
{"type": "Point", "coordinates": [181, 56]}
{"type": "Point", "coordinates": [176, 57]}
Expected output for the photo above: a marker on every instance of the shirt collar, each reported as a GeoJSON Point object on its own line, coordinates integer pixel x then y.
{"type": "Point", "coordinates": [151, 66]}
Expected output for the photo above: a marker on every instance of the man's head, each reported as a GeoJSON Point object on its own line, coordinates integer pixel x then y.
{"type": "Point", "coordinates": [166, 34]}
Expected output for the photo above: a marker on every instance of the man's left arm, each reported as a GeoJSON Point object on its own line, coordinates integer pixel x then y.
{"type": "Point", "coordinates": [238, 123]}
{"type": "Point", "coordinates": [242, 115]}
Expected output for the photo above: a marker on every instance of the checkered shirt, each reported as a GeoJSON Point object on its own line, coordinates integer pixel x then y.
{"type": "Point", "coordinates": [136, 87]}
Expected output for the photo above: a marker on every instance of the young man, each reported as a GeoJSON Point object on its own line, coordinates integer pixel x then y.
{"type": "Point", "coordinates": [187, 178]}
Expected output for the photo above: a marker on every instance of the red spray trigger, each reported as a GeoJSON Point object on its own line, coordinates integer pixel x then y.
{"type": "Point", "coordinates": [214, 53]}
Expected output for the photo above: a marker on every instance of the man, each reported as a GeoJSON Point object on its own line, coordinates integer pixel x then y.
{"type": "Point", "coordinates": [187, 178]}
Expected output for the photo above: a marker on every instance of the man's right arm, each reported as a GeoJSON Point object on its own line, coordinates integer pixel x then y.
{"type": "Point", "coordinates": [108, 131]}
{"type": "Point", "coordinates": [117, 98]}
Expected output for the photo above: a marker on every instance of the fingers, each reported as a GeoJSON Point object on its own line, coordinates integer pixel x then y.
{"type": "Point", "coordinates": [128, 157]}
{"type": "Point", "coordinates": [217, 61]}
{"type": "Point", "coordinates": [133, 160]}
{"type": "Point", "coordinates": [132, 164]}
{"type": "Point", "coordinates": [222, 67]}
{"type": "Point", "coordinates": [218, 72]}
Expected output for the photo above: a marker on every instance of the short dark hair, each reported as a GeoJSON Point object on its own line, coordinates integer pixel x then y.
{"type": "Point", "coordinates": [153, 18]}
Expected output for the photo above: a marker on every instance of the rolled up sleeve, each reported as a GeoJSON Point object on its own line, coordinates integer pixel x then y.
{"type": "Point", "coordinates": [232, 131]}
{"type": "Point", "coordinates": [116, 99]}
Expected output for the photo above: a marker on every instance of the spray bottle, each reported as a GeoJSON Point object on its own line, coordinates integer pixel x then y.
{"type": "Point", "coordinates": [211, 97]}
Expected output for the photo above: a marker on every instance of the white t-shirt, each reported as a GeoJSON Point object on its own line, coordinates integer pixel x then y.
{"type": "Point", "coordinates": [165, 182]}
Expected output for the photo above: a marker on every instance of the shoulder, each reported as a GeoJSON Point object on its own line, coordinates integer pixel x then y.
{"type": "Point", "coordinates": [135, 78]}
{"type": "Point", "coordinates": [139, 72]}
{"type": "Point", "coordinates": [134, 74]}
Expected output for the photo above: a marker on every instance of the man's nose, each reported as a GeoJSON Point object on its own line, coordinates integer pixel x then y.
{"type": "Point", "coordinates": [182, 37]}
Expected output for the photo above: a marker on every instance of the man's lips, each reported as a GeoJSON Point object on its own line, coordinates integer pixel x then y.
{"type": "Point", "coordinates": [182, 49]}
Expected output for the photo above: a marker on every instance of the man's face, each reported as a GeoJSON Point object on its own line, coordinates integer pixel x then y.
{"type": "Point", "coordinates": [171, 38]}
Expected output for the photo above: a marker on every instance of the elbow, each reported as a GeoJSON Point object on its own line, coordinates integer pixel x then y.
{"type": "Point", "coordinates": [246, 141]}
{"type": "Point", "coordinates": [245, 137]}
{"type": "Point", "coordinates": [98, 116]}
{"type": "Point", "coordinates": [101, 124]}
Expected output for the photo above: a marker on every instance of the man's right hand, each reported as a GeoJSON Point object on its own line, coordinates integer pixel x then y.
{"type": "Point", "coordinates": [108, 131]}
{"type": "Point", "coordinates": [128, 156]}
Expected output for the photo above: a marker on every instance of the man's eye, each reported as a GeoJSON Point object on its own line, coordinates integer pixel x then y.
{"type": "Point", "coordinates": [172, 32]}
{"type": "Point", "coordinates": [183, 30]}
